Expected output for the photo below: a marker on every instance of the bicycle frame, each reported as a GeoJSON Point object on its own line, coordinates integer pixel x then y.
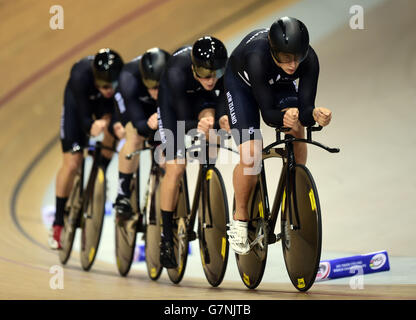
{"type": "Point", "coordinates": [86, 192]}
{"type": "Point", "coordinates": [203, 169]}
{"type": "Point", "coordinates": [78, 206]}
{"type": "Point", "coordinates": [145, 210]}
{"type": "Point", "coordinates": [286, 175]}
{"type": "Point", "coordinates": [189, 215]}
{"type": "Point", "coordinates": [199, 191]}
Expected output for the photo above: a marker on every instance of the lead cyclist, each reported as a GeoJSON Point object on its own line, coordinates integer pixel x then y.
{"type": "Point", "coordinates": [261, 78]}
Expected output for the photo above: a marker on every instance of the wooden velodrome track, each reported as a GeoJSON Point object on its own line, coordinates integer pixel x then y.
{"type": "Point", "coordinates": [35, 63]}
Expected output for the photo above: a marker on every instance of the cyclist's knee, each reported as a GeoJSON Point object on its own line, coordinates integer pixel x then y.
{"type": "Point", "coordinates": [250, 153]}
{"type": "Point", "coordinates": [136, 141]}
{"type": "Point", "coordinates": [174, 170]}
{"type": "Point", "coordinates": [72, 162]}
{"type": "Point", "coordinates": [133, 138]}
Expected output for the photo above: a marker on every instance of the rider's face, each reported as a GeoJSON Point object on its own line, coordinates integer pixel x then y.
{"type": "Point", "coordinates": [207, 83]}
{"type": "Point", "coordinates": [153, 92]}
{"type": "Point", "coordinates": [287, 62]}
{"type": "Point", "coordinates": [107, 91]}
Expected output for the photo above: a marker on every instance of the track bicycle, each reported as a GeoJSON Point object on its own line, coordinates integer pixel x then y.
{"type": "Point", "coordinates": [211, 204]}
{"type": "Point", "coordinates": [145, 219]}
{"type": "Point", "coordinates": [300, 221]}
{"type": "Point", "coordinates": [85, 208]}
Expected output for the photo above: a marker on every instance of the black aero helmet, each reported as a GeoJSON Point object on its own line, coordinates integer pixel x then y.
{"type": "Point", "coordinates": [209, 57]}
{"type": "Point", "coordinates": [107, 66]}
{"type": "Point", "coordinates": [289, 35]}
{"type": "Point", "coordinates": [151, 65]}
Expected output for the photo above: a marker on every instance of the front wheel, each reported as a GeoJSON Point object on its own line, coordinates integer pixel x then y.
{"type": "Point", "coordinates": [126, 232]}
{"type": "Point", "coordinates": [301, 232]}
{"type": "Point", "coordinates": [71, 220]}
{"type": "Point", "coordinates": [180, 234]}
{"type": "Point", "coordinates": [92, 221]}
{"type": "Point", "coordinates": [252, 265]}
{"type": "Point", "coordinates": [212, 230]}
{"type": "Point", "coordinates": [153, 228]}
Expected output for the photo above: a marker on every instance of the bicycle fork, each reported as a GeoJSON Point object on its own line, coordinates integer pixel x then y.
{"type": "Point", "coordinates": [291, 189]}
{"type": "Point", "coordinates": [286, 192]}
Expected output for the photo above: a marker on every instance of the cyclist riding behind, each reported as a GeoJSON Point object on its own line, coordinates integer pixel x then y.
{"type": "Point", "coordinates": [137, 103]}
{"type": "Point", "coordinates": [191, 90]}
{"type": "Point", "coordinates": [261, 74]}
{"type": "Point", "coordinates": [87, 111]}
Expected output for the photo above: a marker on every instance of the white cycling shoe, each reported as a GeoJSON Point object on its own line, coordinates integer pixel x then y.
{"type": "Point", "coordinates": [238, 237]}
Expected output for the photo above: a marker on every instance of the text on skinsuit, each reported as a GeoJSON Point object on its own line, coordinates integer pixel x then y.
{"type": "Point", "coordinates": [231, 107]}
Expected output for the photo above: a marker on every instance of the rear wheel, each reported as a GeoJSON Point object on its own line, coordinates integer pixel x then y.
{"type": "Point", "coordinates": [302, 243]}
{"type": "Point", "coordinates": [92, 221]}
{"type": "Point", "coordinates": [212, 230]}
{"type": "Point", "coordinates": [251, 266]}
{"type": "Point", "coordinates": [71, 220]}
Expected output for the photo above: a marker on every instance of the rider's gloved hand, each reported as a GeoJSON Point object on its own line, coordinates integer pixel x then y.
{"type": "Point", "coordinates": [224, 124]}
{"type": "Point", "coordinates": [205, 124]}
{"type": "Point", "coordinates": [98, 126]}
{"type": "Point", "coordinates": [119, 130]}
{"type": "Point", "coordinates": [290, 118]}
{"type": "Point", "coordinates": [322, 116]}
{"type": "Point", "coordinates": [152, 121]}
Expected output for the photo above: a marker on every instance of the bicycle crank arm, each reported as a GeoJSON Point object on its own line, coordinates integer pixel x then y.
{"type": "Point", "coordinates": [277, 237]}
{"type": "Point", "coordinates": [258, 240]}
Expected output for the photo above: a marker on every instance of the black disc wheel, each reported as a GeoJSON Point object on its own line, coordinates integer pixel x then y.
{"type": "Point", "coordinates": [71, 220]}
{"type": "Point", "coordinates": [126, 232]}
{"type": "Point", "coordinates": [252, 265]}
{"type": "Point", "coordinates": [301, 229]}
{"type": "Point", "coordinates": [212, 227]}
{"type": "Point", "coordinates": [153, 229]}
{"type": "Point", "coordinates": [92, 221]}
{"type": "Point", "coordinates": [180, 234]}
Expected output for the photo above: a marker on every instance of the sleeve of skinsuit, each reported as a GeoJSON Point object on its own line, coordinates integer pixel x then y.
{"type": "Point", "coordinates": [179, 100]}
{"type": "Point", "coordinates": [79, 84]}
{"type": "Point", "coordinates": [129, 91]}
{"type": "Point", "coordinates": [308, 84]}
{"type": "Point", "coordinates": [263, 93]}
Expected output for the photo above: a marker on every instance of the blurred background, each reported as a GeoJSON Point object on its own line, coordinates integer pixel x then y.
{"type": "Point", "coordinates": [367, 191]}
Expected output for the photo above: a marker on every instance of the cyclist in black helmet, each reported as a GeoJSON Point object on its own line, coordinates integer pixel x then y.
{"type": "Point", "coordinates": [137, 103]}
{"type": "Point", "coordinates": [261, 78]}
{"type": "Point", "coordinates": [87, 111]}
{"type": "Point", "coordinates": [191, 90]}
